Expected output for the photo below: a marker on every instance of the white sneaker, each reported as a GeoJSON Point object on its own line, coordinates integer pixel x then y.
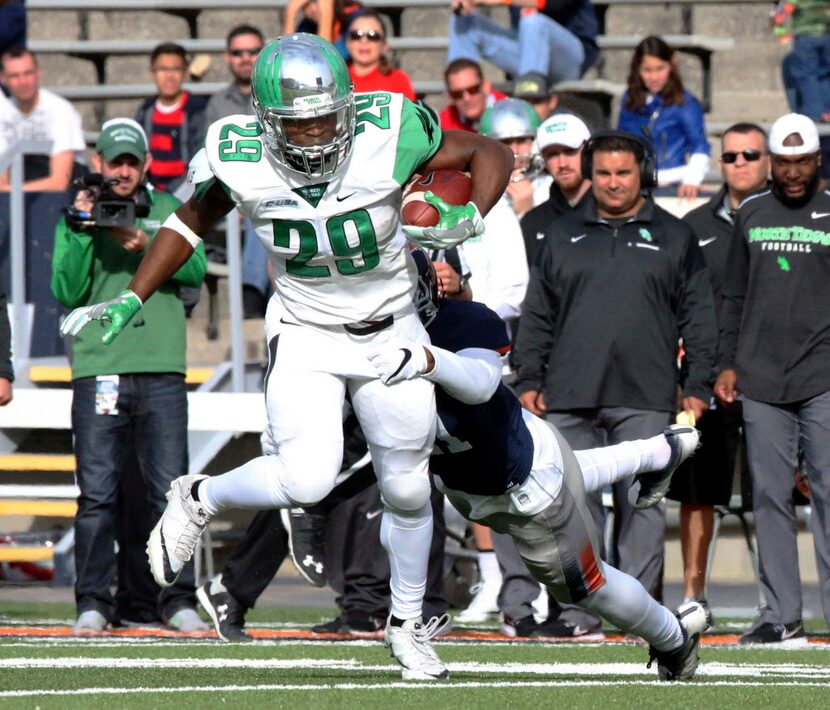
{"type": "Point", "coordinates": [188, 621]}
{"type": "Point", "coordinates": [177, 533]}
{"type": "Point", "coordinates": [410, 646]}
{"type": "Point", "coordinates": [482, 605]}
{"type": "Point", "coordinates": [648, 488]}
{"type": "Point", "coordinates": [90, 623]}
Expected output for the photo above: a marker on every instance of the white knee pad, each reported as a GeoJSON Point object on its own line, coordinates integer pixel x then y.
{"type": "Point", "coordinates": [405, 493]}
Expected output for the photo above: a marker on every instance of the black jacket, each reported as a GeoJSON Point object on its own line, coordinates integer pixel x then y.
{"type": "Point", "coordinates": [537, 220]}
{"type": "Point", "coordinates": [605, 308]}
{"type": "Point", "coordinates": [6, 370]}
{"type": "Point", "coordinates": [579, 18]}
{"type": "Point", "coordinates": [775, 323]}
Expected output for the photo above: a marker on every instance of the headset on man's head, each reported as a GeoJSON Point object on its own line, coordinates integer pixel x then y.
{"type": "Point", "coordinates": [648, 163]}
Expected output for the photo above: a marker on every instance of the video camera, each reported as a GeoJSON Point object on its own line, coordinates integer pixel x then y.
{"type": "Point", "coordinates": [109, 210]}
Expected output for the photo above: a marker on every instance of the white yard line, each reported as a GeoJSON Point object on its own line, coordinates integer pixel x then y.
{"type": "Point", "coordinates": [603, 683]}
{"type": "Point", "coordinates": [714, 670]}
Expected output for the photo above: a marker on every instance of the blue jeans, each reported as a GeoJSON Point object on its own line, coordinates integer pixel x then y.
{"type": "Point", "coordinates": [152, 412]}
{"type": "Point", "coordinates": [539, 45]}
{"type": "Point", "coordinates": [806, 74]}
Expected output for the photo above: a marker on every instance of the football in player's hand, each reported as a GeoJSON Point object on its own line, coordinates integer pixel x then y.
{"type": "Point", "coordinates": [452, 186]}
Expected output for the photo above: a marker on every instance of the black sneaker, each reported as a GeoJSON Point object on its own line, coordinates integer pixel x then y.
{"type": "Point", "coordinates": [351, 625]}
{"type": "Point", "coordinates": [558, 627]}
{"type": "Point", "coordinates": [306, 543]}
{"type": "Point", "coordinates": [227, 613]}
{"type": "Point", "coordinates": [647, 489]}
{"type": "Point", "coordinates": [519, 628]}
{"type": "Point", "coordinates": [681, 663]}
{"type": "Point", "coordinates": [773, 633]}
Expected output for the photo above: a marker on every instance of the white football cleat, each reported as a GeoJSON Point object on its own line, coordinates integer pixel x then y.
{"type": "Point", "coordinates": [482, 606]}
{"type": "Point", "coordinates": [410, 646]}
{"type": "Point", "coordinates": [648, 489]}
{"type": "Point", "coordinates": [177, 533]}
{"type": "Point", "coordinates": [682, 663]}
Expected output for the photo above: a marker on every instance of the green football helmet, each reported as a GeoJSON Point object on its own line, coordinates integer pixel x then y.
{"type": "Point", "coordinates": [512, 119]}
{"type": "Point", "coordinates": [300, 79]}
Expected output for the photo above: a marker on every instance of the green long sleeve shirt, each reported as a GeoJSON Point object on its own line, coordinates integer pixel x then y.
{"type": "Point", "coordinates": [90, 267]}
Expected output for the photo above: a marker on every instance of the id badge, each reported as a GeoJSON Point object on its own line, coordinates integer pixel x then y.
{"type": "Point", "coordinates": [106, 394]}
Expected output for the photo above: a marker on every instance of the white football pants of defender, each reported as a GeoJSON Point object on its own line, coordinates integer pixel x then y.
{"type": "Point", "coordinates": [310, 369]}
{"type": "Point", "coordinates": [549, 521]}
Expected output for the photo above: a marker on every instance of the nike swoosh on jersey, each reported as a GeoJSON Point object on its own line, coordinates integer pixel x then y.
{"type": "Point", "coordinates": [819, 215]}
{"type": "Point", "coordinates": [540, 235]}
{"type": "Point", "coordinates": [574, 240]}
{"type": "Point", "coordinates": [345, 197]}
{"type": "Point", "coordinates": [704, 242]}
{"type": "Point", "coordinates": [372, 514]}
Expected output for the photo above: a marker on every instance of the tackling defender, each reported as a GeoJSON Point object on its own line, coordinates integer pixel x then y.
{"type": "Point", "coordinates": [529, 483]}
{"type": "Point", "coordinates": [318, 170]}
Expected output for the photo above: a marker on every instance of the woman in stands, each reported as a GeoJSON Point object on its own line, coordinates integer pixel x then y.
{"type": "Point", "coordinates": [657, 107]}
{"type": "Point", "coordinates": [370, 67]}
{"type": "Point", "coordinates": [326, 18]}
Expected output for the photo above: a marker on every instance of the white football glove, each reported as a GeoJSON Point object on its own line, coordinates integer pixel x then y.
{"type": "Point", "coordinates": [455, 224]}
{"type": "Point", "coordinates": [398, 360]}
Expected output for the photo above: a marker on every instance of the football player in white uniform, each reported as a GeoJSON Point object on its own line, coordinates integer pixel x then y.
{"type": "Point", "coordinates": [319, 172]}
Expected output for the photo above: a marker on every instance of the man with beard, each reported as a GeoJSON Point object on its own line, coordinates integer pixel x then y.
{"type": "Point", "coordinates": [775, 344]}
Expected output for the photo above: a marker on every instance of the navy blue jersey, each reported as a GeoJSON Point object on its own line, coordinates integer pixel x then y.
{"type": "Point", "coordinates": [483, 449]}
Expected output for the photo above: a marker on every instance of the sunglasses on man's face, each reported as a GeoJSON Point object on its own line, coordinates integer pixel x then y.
{"type": "Point", "coordinates": [750, 156]}
{"type": "Point", "coordinates": [456, 94]}
{"type": "Point", "coordinates": [244, 52]}
{"type": "Point", "coordinates": [371, 35]}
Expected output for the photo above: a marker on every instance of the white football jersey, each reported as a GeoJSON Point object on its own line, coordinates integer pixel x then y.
{"type": "Point", "coordinates": [338, 252]}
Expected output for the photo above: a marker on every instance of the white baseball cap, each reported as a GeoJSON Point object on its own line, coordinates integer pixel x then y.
{"type": "Point", "coordinates": [786, 126]}
{"type": "Point", "coordinates": [562, 129]}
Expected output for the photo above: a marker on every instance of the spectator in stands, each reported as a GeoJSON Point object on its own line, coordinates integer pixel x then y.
{"type": "Point", "coordinates": [656, 106]}
{"type": "Point", "coordinates": [706, 480]}
{"type": "Point", "coordinates": [12, 25]}
{"type": "Point", "coordinates": [534, 89]}
{"type": "Point", "coordinates": [597, 343]}
{"type": "Point", "coordinates": [6, 369]}
{"type": "Point", "coordinates": [774, 345]}
{"type": "Point", "coordinates": [370, 67]}
{"type": "Point", "coordinates": [806, 69]}
{"type": "Point", "coordinates": [36, 114]}
{"type": "Point", "coordinates": [469, 93]}
{"type": "Point", "coordinates": [325, 18]}
{"type": "Point", "coordinates": [173, 119]}
{"type": "Point", "coordinates": [135, 387]}
{"type": "Point", "coordinates": [560, 139]}
{"type": "Point", "coordinates": [554, 39]}
{"type": "Point", "coordinates": [242, 46]}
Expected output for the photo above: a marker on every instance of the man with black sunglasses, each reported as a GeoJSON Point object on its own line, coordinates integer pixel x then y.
{"type": "Point", "coordinates": [469, 93]}
{"type": "Point", "coordinates": [707, 481]}
{"type": "Point", "coordinates": [243, 44]}
{"type": "Point", "coordinates": [775, 349]}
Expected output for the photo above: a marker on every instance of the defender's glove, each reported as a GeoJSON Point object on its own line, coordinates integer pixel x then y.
{"type": "Point", "coordinates": [399, 360]}
{"type": "Point", "coordinates": [455, 224]}
{"type": "Point", "coordinates": [118, 312]}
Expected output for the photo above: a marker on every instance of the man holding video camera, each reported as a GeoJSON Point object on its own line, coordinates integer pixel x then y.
{"type": "Point", "coordinates": [129, 399]}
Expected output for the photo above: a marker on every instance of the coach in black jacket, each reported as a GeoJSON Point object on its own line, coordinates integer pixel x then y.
{"type": "Point", "coordinates": [613, 289]}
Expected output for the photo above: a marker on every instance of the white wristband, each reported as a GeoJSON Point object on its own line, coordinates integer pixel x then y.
{"type": "Point", "coordinates": [173, 222]}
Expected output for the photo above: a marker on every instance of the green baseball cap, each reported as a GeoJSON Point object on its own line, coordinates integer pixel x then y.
{"type": "Point", "coordinates": [120, 136]}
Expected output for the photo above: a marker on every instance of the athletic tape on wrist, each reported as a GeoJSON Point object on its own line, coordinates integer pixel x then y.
{"type": "Point", "coordinates": [173, 222]}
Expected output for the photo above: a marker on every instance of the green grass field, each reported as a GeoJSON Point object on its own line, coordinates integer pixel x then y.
{"type": "Point", "coordinates": [117, 672]}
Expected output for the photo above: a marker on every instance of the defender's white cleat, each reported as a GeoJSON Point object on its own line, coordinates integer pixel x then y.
{"type": "Point", "coordinates": [410, 646]}
{"type": "Point", "coordinates": [648, 489]}
{"type": "Point", "coordinates": [682, 663]}
{"type": "Point", "coordinates": [177, 533]}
